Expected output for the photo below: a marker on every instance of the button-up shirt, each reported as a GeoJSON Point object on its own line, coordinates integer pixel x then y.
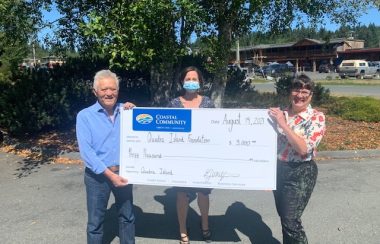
{"type": "Point", "coordinates": [98, 137]}
{"type": "Point", "coordinates": [310, 125]}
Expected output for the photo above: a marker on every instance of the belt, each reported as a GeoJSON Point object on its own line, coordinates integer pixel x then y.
{"type": "Point", "coordinates": [114, 168]}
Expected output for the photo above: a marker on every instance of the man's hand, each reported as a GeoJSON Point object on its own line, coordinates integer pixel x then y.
{"type": "Point", "coordinates": [116, 179]}
{"type": "Point", "coordinates": [128, 105]}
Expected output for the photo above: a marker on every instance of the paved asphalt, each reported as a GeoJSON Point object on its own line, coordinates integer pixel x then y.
{"type": "Point", "coordinates": [336, 90]}
{"type": "Point", "coordinates": [44, 203]}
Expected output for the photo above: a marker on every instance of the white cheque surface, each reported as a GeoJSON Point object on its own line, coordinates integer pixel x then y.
{"type": "Point", "coordinates": [225, 148]}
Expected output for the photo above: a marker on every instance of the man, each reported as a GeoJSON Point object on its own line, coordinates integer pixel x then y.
{"type": "Point", "coordinates": [98, 135]}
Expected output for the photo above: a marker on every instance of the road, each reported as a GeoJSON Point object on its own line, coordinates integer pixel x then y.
{"type": "Point", "coordinates": [337, 90]}
{"type": "Point", "coordinates": [44, 203]}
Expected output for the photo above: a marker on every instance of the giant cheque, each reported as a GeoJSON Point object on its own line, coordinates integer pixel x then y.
{"type": "Point", "coordinates": [206, 148]}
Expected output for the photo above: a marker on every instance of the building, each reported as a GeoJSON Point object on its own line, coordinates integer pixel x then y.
{"type": "Point", "coordinates": [306, 54]}
{"type": "Point", "coordinates": [51, 61]}
{"type": "Point", "coordinates": [369, 54]}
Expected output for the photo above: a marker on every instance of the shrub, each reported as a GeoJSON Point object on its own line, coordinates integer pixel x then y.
{"type": "Point", "coordinates": [254, 99]}
{"type": "Point", "coordinates": [357, 108]}
{"type": "Point", "coordinates": [39, 100]}
{"type": "Point", "coordinates": [237, 82]}
{"type": "Point", "coordinates": [283, 86]}
{"type": "Point", "coordinates": [321, 95]}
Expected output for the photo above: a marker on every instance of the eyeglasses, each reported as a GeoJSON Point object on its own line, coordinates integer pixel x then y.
{"type": "Point", "coordinates": [303, 92]}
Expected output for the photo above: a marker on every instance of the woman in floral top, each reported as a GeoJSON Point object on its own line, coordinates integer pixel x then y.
{"type": "Point", "coordinates": [191, 79]}
{"type": "Point", "coordinates": [300, 129]}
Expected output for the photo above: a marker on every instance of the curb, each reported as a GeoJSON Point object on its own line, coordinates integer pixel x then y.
{"type": "Point", "coordinates": [349, 154]}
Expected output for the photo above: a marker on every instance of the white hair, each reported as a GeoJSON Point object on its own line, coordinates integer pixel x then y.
{"type": "Point", "coordinates": [105, 73]}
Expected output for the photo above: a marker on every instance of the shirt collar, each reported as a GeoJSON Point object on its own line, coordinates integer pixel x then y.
{"type": "Point", "coordinates": [99, 107]}
{"type": "Point", "coordinates": [306, 114]}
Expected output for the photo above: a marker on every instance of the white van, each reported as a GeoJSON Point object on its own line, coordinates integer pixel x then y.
{"type": "Point", "coordinates": [357, 68]}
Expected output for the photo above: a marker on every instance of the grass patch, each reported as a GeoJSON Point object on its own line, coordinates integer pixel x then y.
{"type": "Point", "coordinates": [355, 82]}
{"type": "Point", "coordinates": [355, 108]}
{"type": "Point", "coordinates": [259, 79]}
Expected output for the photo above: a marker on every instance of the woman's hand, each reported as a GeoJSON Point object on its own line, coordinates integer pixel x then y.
{"type": "Point", "coordinates": [278, 115]}
{"type": "Point", "coordinates": [295, 140]}
{"type": "Point", "coordinates": [128, 105]}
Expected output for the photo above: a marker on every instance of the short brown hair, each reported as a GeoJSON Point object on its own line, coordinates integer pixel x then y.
{"type": "Point", "coordinates": [303, 82]}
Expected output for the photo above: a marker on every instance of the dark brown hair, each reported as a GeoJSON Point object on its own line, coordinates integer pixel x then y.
{"type": "Point", "coordinates": [303, 82]}
{"type": "Point", "coordinates": [187, 70]}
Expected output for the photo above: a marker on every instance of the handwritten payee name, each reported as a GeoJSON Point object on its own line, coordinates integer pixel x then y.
{"type": "Point", "coordinates": [221, 175]}
{"type": "Point", "coordinates": [161, 171]}
{"type": "Point", "coordinates": [176, 138]}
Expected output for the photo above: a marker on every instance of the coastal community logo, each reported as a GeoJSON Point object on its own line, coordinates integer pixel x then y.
{"type": "Point", "coordinates": [144, 119]}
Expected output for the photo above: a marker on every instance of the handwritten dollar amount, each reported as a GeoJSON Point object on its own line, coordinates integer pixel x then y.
{"type": "Point", "coordinates": [239, 142]}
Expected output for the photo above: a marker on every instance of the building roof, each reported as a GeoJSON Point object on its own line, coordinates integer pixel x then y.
{"type": "Point", "coordinates": [290, 44]}
{"type": "Point", "coordinates": [361, 50]}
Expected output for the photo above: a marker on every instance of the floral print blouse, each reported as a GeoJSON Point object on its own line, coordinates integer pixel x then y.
{"type": "Point", "coordinates": [310, 125]}
{"type": "Point", "coordinates": [205, 103]}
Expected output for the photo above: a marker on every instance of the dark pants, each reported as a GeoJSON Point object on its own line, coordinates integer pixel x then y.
{"type": "Point", "coordinates": [98, 190]}
{"type": "Point", "coordinates": [295, 183]}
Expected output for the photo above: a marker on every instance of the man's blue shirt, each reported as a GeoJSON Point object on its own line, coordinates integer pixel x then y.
{"type": "Point", "coordinates": [98, 137]}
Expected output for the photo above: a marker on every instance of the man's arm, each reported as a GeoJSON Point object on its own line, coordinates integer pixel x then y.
{"type": "Point", "coordinates": [116, 179]}
{"type": "Point", "coordinates": [87, 153]}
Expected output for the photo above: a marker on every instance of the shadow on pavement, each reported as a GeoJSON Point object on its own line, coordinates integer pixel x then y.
{"type": "Point", "coordinates": [164, 226]}
{"type": "Point", "coordinates": [31, 165]}
{"type": "Point", "coordinates": [40, 150]}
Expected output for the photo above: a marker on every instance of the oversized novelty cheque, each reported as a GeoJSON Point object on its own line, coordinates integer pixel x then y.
{"type": "Point", "coordinates": [207, 148]}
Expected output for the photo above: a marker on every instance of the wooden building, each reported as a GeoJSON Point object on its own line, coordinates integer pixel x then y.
{"type": "Point", "coordinates": [306, 54]}
{"type": "Point", "coordinates": [369, 54]}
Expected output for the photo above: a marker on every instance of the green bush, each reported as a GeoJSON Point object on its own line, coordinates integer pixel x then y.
{"type": "Point", "coordinates": [36, 100]}
{"type": "Point", "coordinates": [321, 95]}
{"type": "Point", "coordinates": [357, 108]}
{"type": "Point", "coordinates": [237, 82]}
{"type": "Point", "coordinates": [254, 99]}
{"type": "Point", "coordinates": [283, 86]}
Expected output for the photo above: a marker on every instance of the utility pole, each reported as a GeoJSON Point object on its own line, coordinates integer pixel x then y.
{"type": "Point", "coordinates": [34, 56]}
{"type": "Point", "coordinates": [237, 53]}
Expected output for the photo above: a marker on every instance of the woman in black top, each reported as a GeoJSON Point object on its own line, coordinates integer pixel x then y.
{"type": "Point", "coordinates": [191, 79]}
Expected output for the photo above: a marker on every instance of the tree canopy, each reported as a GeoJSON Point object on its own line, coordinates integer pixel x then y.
{"type": "Point", "coordinates": [155, 35]}
{"type": "Point", "coordinates": [19, 24]}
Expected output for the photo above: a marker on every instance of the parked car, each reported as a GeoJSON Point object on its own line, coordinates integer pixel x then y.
{"type": "Point", "coordinates": [275, 69]}
{"type": "Point", "coordinates": [357, 68]}
{"type": "Point", "coordinates": [374, 64]}
{"type": "Point", "coordinates": [326, 68]}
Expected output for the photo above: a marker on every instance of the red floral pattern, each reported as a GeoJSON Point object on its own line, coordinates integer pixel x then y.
{"type": "Point", "coordinates": [310, 125]}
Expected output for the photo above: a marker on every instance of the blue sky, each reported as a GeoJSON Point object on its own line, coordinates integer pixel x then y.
{"type": "Point", "coordinates": [372, 16]}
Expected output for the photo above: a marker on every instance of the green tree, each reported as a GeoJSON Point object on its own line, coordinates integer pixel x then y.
{"type": "Point", "coordinates": [155, 34]}
{"type": "Point", "coordinates": [152, 35]}
{"type": "Point", "coordinates": [228, 20]}
{"type": "Point", "coordinates": [19, 23]}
